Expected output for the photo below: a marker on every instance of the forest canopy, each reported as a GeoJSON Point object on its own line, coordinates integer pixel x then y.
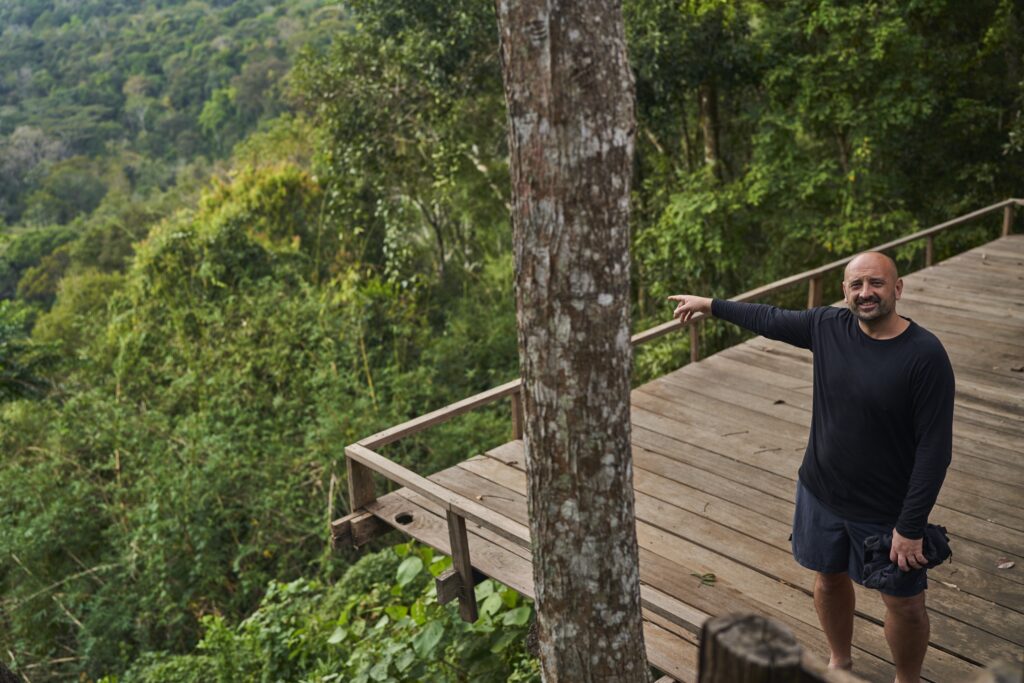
{"type": "Point", "coordinates": [236, 236]}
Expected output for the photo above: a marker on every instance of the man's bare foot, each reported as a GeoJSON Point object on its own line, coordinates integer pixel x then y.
{"type": "Point", "coordinates": [841, 665]}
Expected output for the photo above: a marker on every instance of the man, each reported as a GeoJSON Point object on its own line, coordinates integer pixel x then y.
{"type": "Point", "coordinates": [880, 443]}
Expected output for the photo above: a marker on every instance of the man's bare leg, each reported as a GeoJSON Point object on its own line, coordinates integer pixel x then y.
{"type": "Point", "coordinates": [906, 630]}
{"type": "Point", "coordinates": [834, 600]}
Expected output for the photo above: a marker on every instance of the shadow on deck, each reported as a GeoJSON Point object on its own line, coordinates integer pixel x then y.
{"type": "Point", "coordinates": [716, 447]}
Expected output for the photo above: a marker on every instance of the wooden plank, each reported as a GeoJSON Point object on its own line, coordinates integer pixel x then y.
{"type": "Point", "coordinates": [666, 651]}
{"type": "Point", "coordinates": [461, 563]}
{"type": "Point", "coordinates": [666, 504]}
{"type": "Point", "coordinates": [448, 584]}
{"type": "Point", "coordinates": [773, 452]}
{"type": "Point", "coordinates": [464, 507]}
{"type": "Point", "coordinates": [800, 418]}
{"type": "Point", "coordinates": [744, 580]}
{"type": "Point", "coordinates": [360, 485]}
{"type": "Point", "coordinates": [440, 415]}
{"type": "Point", "coordinates": [356, 529]}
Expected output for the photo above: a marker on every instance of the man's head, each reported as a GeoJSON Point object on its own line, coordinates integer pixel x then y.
{"type": "Point", "coordinates": [871, 286]}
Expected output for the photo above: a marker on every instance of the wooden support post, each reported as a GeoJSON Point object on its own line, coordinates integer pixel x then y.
{"type": "Point", "coordinates": [814, 293]}
{"type": "Point", "coordinates": [461, 564]}
{"type": "Point", "coordinates": [695, 340]}
{"type": "Point", "coordinates": [356, 529]}
{"type": "Point", "coordinates": [517, 415]}
{"type": "Point", "coordinates": [1008, 219]}
{"type": "Point", "coordinates": [929, 251]}
{"type": "Point", "coordinates": [748, 648]}
{"type": "Point", "coordinates": [449, 584]}
{"type": "Point", "coordinates": [360, 485]}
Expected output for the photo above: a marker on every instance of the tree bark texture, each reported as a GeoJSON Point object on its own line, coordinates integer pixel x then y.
{"type": "Point", "coordinates": [708, 99]}
{"type": "Point", "coordinates": [570, 101]}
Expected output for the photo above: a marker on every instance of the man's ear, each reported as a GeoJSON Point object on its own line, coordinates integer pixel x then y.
{"type": "Point", "coordinates": [899, 287]}
{"type": "Point", "coordinates": [845, 293]}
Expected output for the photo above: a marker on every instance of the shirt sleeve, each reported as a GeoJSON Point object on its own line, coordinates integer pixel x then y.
{"type": "Point", "coordinates": [933, 393]}
{"type": "Point", "coordinates": [792, 327]}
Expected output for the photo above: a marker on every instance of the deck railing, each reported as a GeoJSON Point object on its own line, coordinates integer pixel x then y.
{"type": "Point", "coordinates": [362, 459]}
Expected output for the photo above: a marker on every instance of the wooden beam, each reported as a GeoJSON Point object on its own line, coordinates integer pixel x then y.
{"type": "Point", "coordinates": [449, 584]}
{"type": "Point", "coordinates": [357, 528]}
{"type": "Point", "coordinates": [1008, 219]}
{"type": "Point", "coordinates": [448, 500]}
{"type": "Point", "coordinates": [814, 291]}
{"type": "Point", "coordinates": [360, 485]}
{"type": "Point", "coordinates": [461, 564]}
{"type": "Point", "coordinates": [695, 340]}
{"type": "Point", "coordinates": [440, 415]}
{"type": "Point", "coordinates": [929, 250]}
{"type": "Point", "coordinates": [518, 416]}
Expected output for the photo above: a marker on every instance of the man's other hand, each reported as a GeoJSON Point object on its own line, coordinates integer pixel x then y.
{"type": "Point", "coordinates": [687, 305]}
{"type": "Point", "coordinates": [907, 553]}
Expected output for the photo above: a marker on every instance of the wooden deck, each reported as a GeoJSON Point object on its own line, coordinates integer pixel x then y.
{"type": "Point", "coordinates": [716, 448]}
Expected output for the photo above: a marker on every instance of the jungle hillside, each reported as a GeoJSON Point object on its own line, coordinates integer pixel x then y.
{"type": "Point", "coordinates": [236, 236]}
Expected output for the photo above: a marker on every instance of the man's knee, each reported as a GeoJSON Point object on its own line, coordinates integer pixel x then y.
{"type": "Point", "coordinates": [833, 583]}
{"type": "Point", "coordinates": [908, 610]}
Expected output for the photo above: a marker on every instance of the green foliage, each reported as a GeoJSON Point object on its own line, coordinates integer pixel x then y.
{"type": "Point", "coordinates": [217, 330]}
{"type": "Point", "coordinates": [26, 250]}
{"type": "Point", "coordinates": [380, 622]}
{"type": "Point", "coordinates": [23, 364]}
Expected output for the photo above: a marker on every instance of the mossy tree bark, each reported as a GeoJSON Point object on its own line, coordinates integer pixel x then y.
{"type": "Point", "coordinates": [569, 92]}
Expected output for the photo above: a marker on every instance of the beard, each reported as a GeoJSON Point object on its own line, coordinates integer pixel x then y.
{"type": "Point", "coordinates": [881, 308]}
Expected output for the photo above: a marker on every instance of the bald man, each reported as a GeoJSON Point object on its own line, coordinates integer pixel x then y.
{"type": "Point", "coordinates": [880, 442]}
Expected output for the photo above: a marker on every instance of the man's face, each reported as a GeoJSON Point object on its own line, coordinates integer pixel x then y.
{"type": "Point", "coordinates": [871, 287]}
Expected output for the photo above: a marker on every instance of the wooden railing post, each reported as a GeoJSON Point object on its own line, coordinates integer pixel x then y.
{"type": "Point", "coordinates": [1008, 219]}
{"type": "Point", "coordinates": [814, 293]}
{"type": "Point", "coordinates": [748, 648]}
{"type": "Point", "coordinates": [929, 251]}
{"type": "Point", "coordinates": [695, 340]}
{"type": "Point", "coordinates": [360, 485]}
{"type": "Point", "coordinates": [461, 564]}
{"type": "Point", "coordinates": [517, 415]}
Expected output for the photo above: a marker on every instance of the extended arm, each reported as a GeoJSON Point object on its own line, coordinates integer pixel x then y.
{"type": "Point", "coordinates": [792, 327]}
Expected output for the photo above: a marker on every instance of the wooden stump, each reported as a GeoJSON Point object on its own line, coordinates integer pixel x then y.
{"type": "Point", "coordinates": [747, 648]}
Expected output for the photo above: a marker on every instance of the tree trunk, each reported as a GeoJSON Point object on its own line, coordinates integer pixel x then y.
{"type": "Point", "coordinates": [708, 97]}
{"type": "Point", "coordinates": [570, 101]}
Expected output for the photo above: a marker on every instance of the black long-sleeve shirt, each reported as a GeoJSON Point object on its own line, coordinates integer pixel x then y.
{"type": "Point", "coordinates": [882, 413]}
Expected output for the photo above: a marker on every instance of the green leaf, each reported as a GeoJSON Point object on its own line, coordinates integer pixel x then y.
{"type": "Point", "coordinates": [418, 612]}
{"type": "Point", "coordinates": [509, 597]}
{"type": "Point", "coordinates": [396, 612]}
{"type": "Point", "coordinates": [437, 567]}
{"type": "Point", "coordinates": [491, 604]}
{"type": "Point", "coordinates": [405, 660]}
{"type": "Point", "coordinates": [505, 640]}
{"type": "Point", "coordinates": [402, 549]}
{"type": "Point", "coordinates": [427, 639]}
{"type": "Point", "coordinates": [484, 588]}
{"type": "Point", "coordinates": [409, 569]}
{"type": "Point", "coordinates": [339, 635]}
{"type": "Point", "coordinates": [380, 670]}
{"type": "Point", "coordinates": [517, 616]}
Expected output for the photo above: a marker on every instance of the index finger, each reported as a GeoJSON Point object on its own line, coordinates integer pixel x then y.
{"type": "Point", "coordinates": [677, 297]}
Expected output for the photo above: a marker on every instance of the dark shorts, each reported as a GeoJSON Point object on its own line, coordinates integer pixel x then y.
{"type": "Point", "coordinates": [827, 543]}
